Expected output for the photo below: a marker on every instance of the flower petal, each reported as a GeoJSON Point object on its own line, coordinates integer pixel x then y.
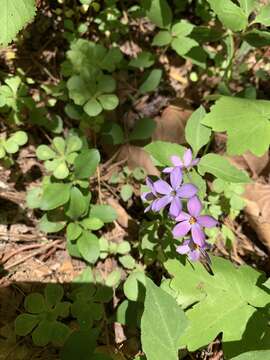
{"type": "Point", "coordinates": [194, 206]}
{"type": "Point", "coordinates": [207, 221]}
{"type": "Point", "coordinates": [161, 203]}
{"type": "Point", "coordinates": [147, 196]}
{"type": "Point", "coordinates": [150, 184]}
{"type": "Point", "coordinates": [176, 207]}
{"type": "Point", "coordinates": [176, 177]}
{"type": "Point", "coordinates": [181, 229]}
{"type": "Point", "coordinates": [184, 248]}
{"type": "Point", "coordinates": [187, 158]}
{"type": "Point", "coordinates": [167, 170]}
{"type": "Point", "coordinates": [183, 216]}
{"type": "Point", "coordinates": [195, 162]}
{"type": "Point", "coordinates": [198, 235]}
{"type": "Point", "coordinates": [194, 255]}
{"type": "Point", "coordinates": [162, 187]}
{"type": "Point", "coordinates": [176, 161]}
{"type": "Point", "coordinates": [187, 191]}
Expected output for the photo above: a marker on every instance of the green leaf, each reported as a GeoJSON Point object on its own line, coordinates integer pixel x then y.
{"type": "Point", "coordinates": [151, 82]}
{"type": "Point", "coordinates": [92, 107]}
{"type": "Point", "coordinates": [105, 213]}
{"type": "Point", "coordinates": [14, 16]}
{"type": "Point", "coordinates": [263, 16]}
{"type": "Point", "coordinates": [73, 143]}
{"type": "Point", "coordinates": [44, 152]}
{"type": "Point", "coordinates": [245, 121]}
{"type": "Point", "coordinates": [257, 38]}
{"type": "Point", "coordinates": [108, 101]}
{"type": "Point", "coordinates": [74, 230]}
{"type": "Point", "coordinates": [114, 278]}
{"type": "Point", "coordinates": [86, 163]}
{"type": "Point", "coordinates": [78, 203]}
{"type": "Point", "coordinates": [34, 303]}
{"type": "Point", "coordinates": [158, 11]}
{"type": "Point", "coordinates": [162, 38]}
{"type": "Point", "coordinates": [53, 294]}
{"type": "Point", "coordinates": [143, 129]}
{"type": "Point", "coordinates": [60, 333]}
{"type": "Point", "coordinates": [106, 84]}
{"type": "Point", "coordinates": [224, 301]}
{"type": "Point", "coordinates": [25, 323]}
{"type": "Point", "coordinates": [112, 134]}
{"type": "Point", "coordinates": [61, 170]}
{"type": "Point", "coordinates": [162, 313]}
{"type": "Point", "coordinates": [231, 15]}
{"type": "Point", "coordinates": [134, 286]}
{"type": "Point", "coordinates": [126, 192]}
{"type": "Point", "coordinates": [80, 345]}
{"type": "Point", "coordinates": [196, 134]}
{"type": "Point", "coordinates": [182, 28]}
{"type": "Point", "coordinates": [33, 197]}
{"type": "Point", "coordinates": [144, 59]}
{"type": "Point", "coordinates": [92, 223]}
{"type": "Point", "coordinates": [254, 355]}
{"type": "Point", "coordinates": [182, 45]}
{"type": "Point", "coordinates": [247, 6]}
{"type": "Point", "coordinates": [123, 247]}
{"type": "Point", "coordinates": [42, 334]}
{"type": "Point", "coordinates": [20, 137]}
{"type": "Point", "coordinates": [88, 246]}
{"type": "Point", "coordinates": [221, 168]}
{"type": "Point", "coordinates": [162, 151]}
{"type": "Point", "coordinates": [127, 261]}
{"type": "Point", "coordinates": [54, 195]}
{"type": "Point", "coordinates": [11, 147]}
{"type": "Point", "coordinates": [48, 226]}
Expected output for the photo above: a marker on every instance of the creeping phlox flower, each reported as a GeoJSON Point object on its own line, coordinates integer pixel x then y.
{"type": "Point", "coordinates": [172, 192]}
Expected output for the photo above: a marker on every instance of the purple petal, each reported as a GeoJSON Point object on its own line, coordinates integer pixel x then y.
{"type": "Point", "coordinates": [176, 177]}
{"type": "Point", "coordinates": [147, 196]}
{"type": "Point", "coordinates": [184, 248]}
{"type": "Point", "coordinates": [198, 235]}
{"type": "Point", "coordinates": [161, 203]}
{"type": "Point", "coordinates": [195, 162]}
{"type": "Point", "coordinates": [167, 170]}
{"type": "Point", "coordinates": [176, 207]}
{"type": "Point", "coordinates": [176, 161]}
{"type": "Point", "coordinates": [162, 187]}
{"type": "Point", "coordinates": [194, 206]}
{"type": "Point", "coordinates": [150, 184]}
{"type": "Point", "coordinates": [207, 221]}
{"type": "Point", "coordinates": [183, 216]}
{"type": "Point", "coordinates": [187, 191]}
{"type": "Point", "coordinates": [194, 255]}
{"type": "Point", "coordinates": [181, 229]}
{"type": "Point", "coordinates": [187, 158]}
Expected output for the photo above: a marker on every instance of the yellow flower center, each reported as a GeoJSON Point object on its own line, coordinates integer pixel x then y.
{"type": "Point", "coordinates": [192, 220]}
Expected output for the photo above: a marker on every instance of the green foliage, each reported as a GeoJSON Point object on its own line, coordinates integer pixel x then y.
{"type": "Point", "coordinates": [12, 144]}
{"type": "Point", "coordinates": [253, 355]}
{"type": "Point", "coordinates": [161, 151]}
{"type": "Point", "coordinates": [160, 313]}
{"type": "Point", "coordinates": [14, 16]}
{"type": "Point", "coordinates": [245, 121]}
{"type": "Point", "coordinates": [223, 302]}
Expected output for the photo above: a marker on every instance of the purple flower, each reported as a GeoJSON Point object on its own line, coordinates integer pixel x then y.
{"type": "Point", "coordinates": [173, 192]}
{"type": "Point", "coordinates": [193, 221]}
{"type": "Point", "coordinates": [187, 162]}
{"type": "Point", "coordinates": [192, 250]}
{"type": "Point", "coordinates": [149, 195]}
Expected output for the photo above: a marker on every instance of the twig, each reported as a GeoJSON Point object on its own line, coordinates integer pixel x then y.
{"type": "Point", "coordinates": [21, 249]}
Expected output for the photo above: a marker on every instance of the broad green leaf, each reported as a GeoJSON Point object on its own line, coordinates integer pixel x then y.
{"type": "Point", "coordinates": [145, 59]}
{"type": "Point", "coordinates": [92, 107]}
{"type": "Point", "coordinates": [162, 38]}
{"type": "Point", "coordinates": [61, 171]}
{"type": "Point", "coordinates": [106, 84]}
{"type": "Point", "coordinates": [88, 246]}
{"type": "Point", "coordinates": [80, 345]}
{"type": "Point", "coordinates": [162, 151]}
{"type": "Point", "coordinates": [53, 294]}
{"type": "Point", "coordinates": [126, 192]}
{"type": "Point", "coordinates": [42, 334]}
{"type": "Point", "coordinates": [112, 133]}
{"type": "Point", "coordinates": [245, 121]}
{"type": "Point", "coordinates": [108, 101]}
{"type": "Point", "coordinates": [78, 203]}
{"type": "Point", "coordinates": [196, 134]}
{"type": "Point", "coordinates": [127, 261]}
{"type": "Point", "coordinates": [247, 5]}
{"type": "Point", "coordinates": [151, 82]}
{"type": "Point", "coordinates": [114, 278]}
{"type": "Point", "coordinates": [49, 226]}
{"type": "Point", "coordinates": [231, 15]}
{"type": "Point", "coordinates": [60, 333]}
{"type": "Point", "coordinates": [34, 303]}
{"type": "Point", "coordinates": [123, 247]}
{"type": "Point", "coordinates": [20, 137]}
{"type": "Point", "coordinates": [257, 38]}
{"type": "Point", "coordinates": [14, 16]}
{"type": "Point", "coordinates": [254, 355]}
{"type": "Point", "coordinates": [33, 197]}
{"type": "Point", "coordinates": [11, 147]}
{"type": "Point", "coordinates": [73, 143]}
{"type": "Point", "coordinates": [59, 144]}
{"type": "Point", "coordinates": [220, 167]}
{"type": "Point", "coordinates": [223, 302]}
{"type": "Point", "coordinates": [74, 230]}
{"type": "Point", "coordinates": [263, 16]}
{"type": "Point", "coordinates": [44, 152]}
{"type": "Point", "coordinates": [182, 28]}
{"type": "Point", "coordinates": [158, 11]}
{"type": "Point", "coordinates": [134, 286]}
{"type": "Point", "coordinates": [182, 45]}
{"type": "Point", "coordinates": [92, 223]}
{"type": "Point", "coordinates": [86, 163]}
{"type": "Point", "coordinates": [54, 195]}
{"type": "Point", "coordinates": [105, 213]}
{"type": "Point", "coordinates": [143, 129]}
{"type": "Point", "coordinates": [25, 323]}
{"type": "Point", "coordinates": [164, 316]}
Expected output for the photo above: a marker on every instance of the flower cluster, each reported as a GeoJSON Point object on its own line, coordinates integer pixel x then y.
{"type": "Point", "coordinates": [169, 194]}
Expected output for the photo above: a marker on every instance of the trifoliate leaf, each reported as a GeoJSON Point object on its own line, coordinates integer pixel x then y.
{"type": "Point", "coordinates": [182, 45]}
{"type": "Point", "coordinates": [224, 302]}
{"type": "Point", "coordinates": [44, 152]}
{"type": "Point", "coordinates": [14, 15]}
{"type": "Point", "coordinates": [92, 107]}
{"type": "Point", "coordinates": [164, 316]}
{"type": "Point", "coordinates": [151, 82]}
{"type": "Point", "coordinates": [245, 121]}
{"type": "Point", "coordinates": [162, 38]}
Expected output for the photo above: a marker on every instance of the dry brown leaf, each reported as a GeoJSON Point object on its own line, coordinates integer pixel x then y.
{"type": "Point", "coordinates": [122, 216]}
{"type": "Point", "coordinates": [251, 163]}
{"type": "Point", "coordinates": [258, 210]}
